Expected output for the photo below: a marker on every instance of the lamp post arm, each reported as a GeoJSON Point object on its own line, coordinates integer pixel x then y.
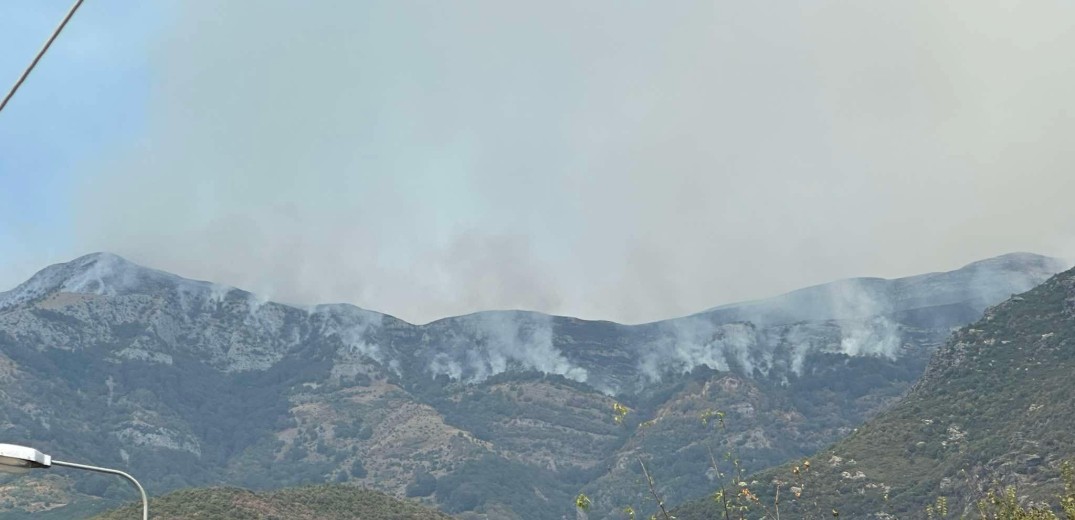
{"type": "Point", "coordinates": [145, 501]}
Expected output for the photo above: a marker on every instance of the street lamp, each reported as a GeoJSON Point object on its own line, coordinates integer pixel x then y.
{"type": "Point", "coordinates": [20, 459]}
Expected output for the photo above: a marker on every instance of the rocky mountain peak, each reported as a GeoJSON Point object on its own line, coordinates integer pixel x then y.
{"type": "Point", "coordinates": [104, 274]}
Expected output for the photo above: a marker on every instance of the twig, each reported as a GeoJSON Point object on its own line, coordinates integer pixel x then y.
{"type": "Point", "coordinates": [776, 502]}
{"type": "Point", "coordinates": [720, 478]}
{"type": "Point", "coordinates": [653, 490]}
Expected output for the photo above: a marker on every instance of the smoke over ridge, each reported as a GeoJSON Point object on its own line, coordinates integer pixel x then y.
{"type": "Point", "coordinates": [492, 343]}
{"type": "Point", "coordinates": [864, 317]}
{"type": "Point", "coordinates": [626, 162]}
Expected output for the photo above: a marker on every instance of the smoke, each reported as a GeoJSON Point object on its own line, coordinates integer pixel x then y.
{"type": "Point", "coordinates": [486, 344]}
{"type": "Point", "coordinates": [751, 350]}
{"type": "Point", "coordinates": [691, 342]}
{"type": "Point", "coordinates": [354, 327]}
{"type": "Point", "coordinates": [860, 311]}
{"type": "Point", "coordinates": [846, 317]}
{"type": "Point", "coordinates": [856, 317]}
{"type": "Point", "coordinates": [802, 339]}
{"type": "Point", "coordinates": [607, 160]}
{"type": "Point", "coordinates": [744, 347]}
{"type": "Point", "coordinates": [874, 337]}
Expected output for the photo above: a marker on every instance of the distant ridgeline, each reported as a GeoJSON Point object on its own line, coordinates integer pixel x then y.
{"type": "Point", "coordinates": [994, 409]}
{"type": "Point", "coordinates": [498, 414]}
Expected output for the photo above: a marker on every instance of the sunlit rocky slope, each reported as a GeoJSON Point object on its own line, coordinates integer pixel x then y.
{"type": "Point", "coordinates": [495, 414]}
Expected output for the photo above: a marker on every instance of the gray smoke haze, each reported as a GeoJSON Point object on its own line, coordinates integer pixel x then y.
{"type": "Point", "coordinates": [618, 160]}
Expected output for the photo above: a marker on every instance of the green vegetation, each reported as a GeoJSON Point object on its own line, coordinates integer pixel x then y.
{"type": "Point", "coordinates": [185, 391]}
{"type": "Point", "coordinates": [492, 482]}
{"type": "Point", "coordinates": [994, 410]}
{"type": "Point", "coordinates": [552, 435]}
{"type": "Point", "coordinates": [770, 420]}
{"type": "Point", "coordinates": [1006, 505]}
{"type": "Point", "coordinates": [323, 502]}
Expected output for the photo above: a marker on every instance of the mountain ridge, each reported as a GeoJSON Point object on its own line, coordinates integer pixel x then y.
{"type": "Point", "coordinates": [505, 412]}
{"type": "Point", "coordinates": [992, 409]}
{"type": "Point", "coordinates": [89, 273]}
{"type": "Point", "coordinates": [834, 298]}
{"type": "Point", "coordinates": [490, 342]}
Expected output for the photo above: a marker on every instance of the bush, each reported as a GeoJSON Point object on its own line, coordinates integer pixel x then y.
{"type": "Point", "coordinates": [424, 485]}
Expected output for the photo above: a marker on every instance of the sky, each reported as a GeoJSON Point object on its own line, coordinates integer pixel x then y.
{"type": "Point", "coordinates": [620, 160]}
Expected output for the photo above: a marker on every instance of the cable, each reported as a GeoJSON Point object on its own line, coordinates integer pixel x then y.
{"type": "Point", "coordinates": [40, 54]}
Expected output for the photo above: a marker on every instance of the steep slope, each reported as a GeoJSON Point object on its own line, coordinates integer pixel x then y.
{"type": "Point", "coordinates": [502, 414]}
{"type": "Point", "coordinates": [325, 502]}
{"type": "Point", "coordinates": [994, 408]}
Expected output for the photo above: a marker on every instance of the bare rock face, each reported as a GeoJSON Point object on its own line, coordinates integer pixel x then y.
{"type": "Point", "coordinates": [189, 383]}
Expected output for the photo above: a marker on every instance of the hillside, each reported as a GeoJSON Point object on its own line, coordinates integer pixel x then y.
{"type": "Point", "coordinates": [498, 414]}
{"type": "Point", "coordinates": [995, 408]}
{"type": "Point", "coordinates": [324, 502]}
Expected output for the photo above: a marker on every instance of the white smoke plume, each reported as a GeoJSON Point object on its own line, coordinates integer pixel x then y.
{"type": "Point", "coordinates": [353, 326]}
{"type": "Point", "coordinates": [491, 343]}
{"type": "Point", "coordinates": [846, 317]}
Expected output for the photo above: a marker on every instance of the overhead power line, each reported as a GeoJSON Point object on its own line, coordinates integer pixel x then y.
{"type": "Point", "coordinates": [40, 54]}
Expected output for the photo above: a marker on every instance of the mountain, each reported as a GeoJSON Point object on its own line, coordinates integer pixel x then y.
{"type": "Point", "coordinates": [994, 409]}
{"type": "Point", "coordinates": [502, 414]}
{"type": "Point", "coordinates": [964, 292]}
{"type": "Point", "coordinates": [322, 502]}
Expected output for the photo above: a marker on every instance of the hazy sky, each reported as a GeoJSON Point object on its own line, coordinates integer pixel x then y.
{"type": "Point", "coordinates": [605, 159]}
